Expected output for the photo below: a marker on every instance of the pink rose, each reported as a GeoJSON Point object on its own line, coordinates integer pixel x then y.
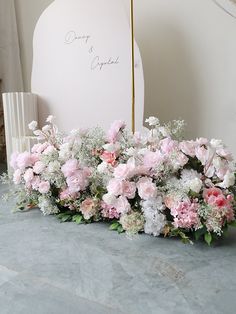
{"type": "Point", "coordinates": [44, 187]}
{"type": "Point", "coordinates": [88, 208]}
{"type": "Point", "coordinates": [17, 177]}
{"type": "Point", "coordinates": [115, 187]}
{"type": "Point", "coordinates": [122, 205]}
{"type": "Point", "coordinates": [146, 188]}
{"type": "Point", "coordinates": [128, 189]}
{"type": "Point", "coordinates": [153, 159]}
{"type": "Point", "coordinates": [28, 176]}
{"type": "Point", "coordinates": [38, 167]}
{"type": "Point", "coordinates": [114, 130]}
{"type": "Point", "coordinates": [70, 167]}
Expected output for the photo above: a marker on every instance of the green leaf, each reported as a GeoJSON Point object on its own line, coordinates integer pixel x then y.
{"type": "Point", "coordinates": [199, 233]}
{"type": "Point", "coordinates": [64, 217]}
{"type": "Point", "coordinates": [120, 229]}
{"type": "Point", "coordinates": [233, 224]}
{"type": "Point", "coordinates": [208, 238]}
{"type": "Point", "coordinates": [78, 219]}
{"type": "Point", "coordinates": [114, 226]}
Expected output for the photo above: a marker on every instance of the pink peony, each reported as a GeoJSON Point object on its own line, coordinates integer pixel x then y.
{"type": "Point", "coordinates": [186, 215]}
{"type": "Point", "coordinates": [24, 160]}
{"type": "Point", "coordinates": [70, 167]}
{"type": "Point", "coordinates": [38, 167]}
{"type": "Point", "coordinates": [146, 188]}
{"type": "Point", "coordinates": [44, 187]}
{"type": "Point", "coordinates": [17, 177]}
{"type": "Point", "coordinates": [153, 159]}
{"type": "Point", "coordinates": [202, 154]}
{"type": "Point", "coordinates": [122, 205]}
{"type": "Point", "coordinates": [114, 130]}
{"type": "Point", "coordinates": [77, 182]}
{"type": "Point", "coordinates": [28, 176]}
{"type": "Point", "coordinates": [88, 208]}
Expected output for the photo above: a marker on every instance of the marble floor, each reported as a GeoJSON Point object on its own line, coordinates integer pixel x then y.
{"type": "Point", "coordinates": [47, 267]}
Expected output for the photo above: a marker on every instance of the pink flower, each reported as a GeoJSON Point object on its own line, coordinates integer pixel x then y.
{"type": "Point", "coordinates": [122, 171]}
{"type": "Point", "coordinates": [128, 189]}
{"type": "Point", "coordinates": [44, 187]}
{"type": "Point", "coordinates": [115, 187]}
{"type": "Point", "coordinates": [114, 130]}
{"type": "Point", "coordinates": [153, 159]}
{"type": "Point", "coordinates": [17, 177]}
{"type": "Point", "coordinates": [215, 197]}
{"type": "Point", "coordinates": [180, 160]}
{"type": "Point", "coordinates": [186, 215]}
{"type": "Point", "coordinates": [202, 154]}
{"type": "Point", "coordinates": [13, 162]}
{"type": "Point", "coordinates": [109, 211]}
{"type": "Point", "coordinates": [28, 176]}
{"type": "Point", "coordinates": [49, 150]}
{"type": "Point", "coordinates": [38, 167]}
{"type": "Point", "coordinates": [168, 145]}
{"type": "Point", "coordinates": [66, 195]}
{"type": "Point", "coordinates": [77, 182]}
{"type": "Point", "coordinates": [202, 141]}
{"type": "Point", "coordinates": [122, 205]}
{"type": "Point", "coordinates": [188, 148]}
{"type": "Point", "coordinates": [39, 148]}
{"type": "Point", "coordinates": [35, 183]}
{"type": "Point", "coordinates": [24, 160]}
{"type": "Point", "coordinates": [88, 208]}
{"type": "Point", "coordinates": [34, 158]}
{"type": "Point", "coordinates": [70, 167]}
{"type": "Point", "coordinates": [146, 188]}
{"type": "Point", "coordinates": [109, 157]}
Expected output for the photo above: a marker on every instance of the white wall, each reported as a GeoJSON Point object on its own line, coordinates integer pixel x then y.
{"type": "Point", "coordinates": [188, 49]}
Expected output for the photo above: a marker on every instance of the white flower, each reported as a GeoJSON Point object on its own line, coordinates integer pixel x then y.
{"type": "Point", "coordinates": [229, 180]}
{"type": "Point", "coordinates": [50, 119]}
{"type": "Point", "coordinates": [46, 128]}
{"type": "Point", "coordinates": [112, 147]}
{"type": "Point", "coordinates": [53, 166]}
{"type": "Point", "coordinates": [47, 207]}
{"type": "Point", "coordinates": [164, 131]}
{"type": "Point", "coordinates": [195, 185]}
{"type": "Point", "coordinates": [152, 121]}
{"type": "Point", "coordinates": [102, 168]}
{"type": "Point", "coordinates": [33, 125]}
{"type": "Point", "coordinates": [155, 221]}
{"type": "Point", "coordinates": [109, 199]}
{"type": "Point", "coordinates": [216, 143]}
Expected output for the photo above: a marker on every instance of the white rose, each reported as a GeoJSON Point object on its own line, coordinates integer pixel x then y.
{"type": "Point", "coordinates": [33, 125]}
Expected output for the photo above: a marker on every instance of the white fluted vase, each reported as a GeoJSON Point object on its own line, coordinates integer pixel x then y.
{"type": "Point", "coordinates": [19, 110]}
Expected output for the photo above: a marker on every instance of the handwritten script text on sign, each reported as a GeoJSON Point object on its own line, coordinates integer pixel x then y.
{"type": "Point", "coordinates": [97, 62]}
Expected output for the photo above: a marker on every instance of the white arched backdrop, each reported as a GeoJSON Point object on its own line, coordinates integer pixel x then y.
{"type": "Point", "coordinates": [82, 64]}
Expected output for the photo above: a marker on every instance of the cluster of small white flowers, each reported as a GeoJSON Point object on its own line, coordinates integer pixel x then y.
{"type": "Point", "coordinates": [190, 180]}
{"type": "Point", "coordinates": [46, 206]}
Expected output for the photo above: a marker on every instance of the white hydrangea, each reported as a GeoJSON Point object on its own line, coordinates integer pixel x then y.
{"type": "Point", "coordinates": [155, 220]}
{"type": "Point", "coordinates": [54, 166]}
{"type": "Point", "coordinates": [190, 180]}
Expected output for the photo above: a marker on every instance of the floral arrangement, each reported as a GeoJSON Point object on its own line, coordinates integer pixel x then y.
{"type": "Point", "coordinates": [151, 181]}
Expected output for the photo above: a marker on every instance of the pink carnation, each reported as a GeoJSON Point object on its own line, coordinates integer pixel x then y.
{"type": "Point", "coordinates": [215, 197]}
{"type": "Point", "coordinates": [186, 215]}
{"type": "Point", "coordinates": [70, 167]}
{"type": "Point", "coordinates": [146, 188]}
{"type": "Point", "coordinates": [109, 157]}
{"type": "Point", "coordinates": [88, 208]}
{"type": "Point", "coordinates": [38, 167]}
